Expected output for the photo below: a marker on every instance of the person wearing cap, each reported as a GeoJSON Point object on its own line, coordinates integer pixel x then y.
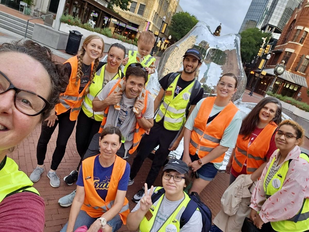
{"type": "Point", "coordinates": [164, 213]}
{"type": "Point", "coordinates": [178, 92]}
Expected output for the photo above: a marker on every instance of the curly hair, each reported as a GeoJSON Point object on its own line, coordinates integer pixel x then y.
{"type": "Point", "coordinates": [300, 132]}
{"type": "Point", "coordinates": [44, 56]}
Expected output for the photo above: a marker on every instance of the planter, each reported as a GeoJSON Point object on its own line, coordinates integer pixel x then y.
{"type": "Point", "coordinates": [27, 11]}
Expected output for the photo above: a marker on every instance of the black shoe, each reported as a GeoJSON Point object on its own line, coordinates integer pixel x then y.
{"type": "Point", "coordinates": [71, 178]}
{"type": "Point", "coordinates": [138, 195]}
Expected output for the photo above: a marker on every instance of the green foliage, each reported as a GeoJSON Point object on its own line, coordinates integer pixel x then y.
{"type": "Point", "coordinates": [29, 2]}
{"type": "Point", "coordinates": [301, 105]}
{"type": "Point", "coordinates": [308, 92]}
{"type": "Point", "coordinates": [122, 4]}
{"type": "Point", "coordinates": [251, 40]}
{"type": "Point", "coordinates": [181, 24]}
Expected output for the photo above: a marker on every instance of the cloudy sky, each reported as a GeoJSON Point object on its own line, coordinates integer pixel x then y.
{"type": "Point", "coordinates": [213, 12]}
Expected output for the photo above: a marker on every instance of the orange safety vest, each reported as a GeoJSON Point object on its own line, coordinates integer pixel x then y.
{"type": "Point", "coordinates": [138, 132]}
{"type": "Point", "coordinates": [255, 154]}
{"type": "Point", "coordinates": [94, 205]}
{"type": "Point", "coordinates": [204, 138]}
{"type": "Point", "coordinates": [71, 98]}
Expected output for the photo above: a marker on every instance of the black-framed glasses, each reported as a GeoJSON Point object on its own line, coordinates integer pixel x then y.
{"type": "Point", "coordinates": [176, 178]}
{"type": "Point", "coordinates": [139, 66]}
{"type": "Point", "coordinates": [287, 135]}
{"type": "Point", "coordinates": [25, 101]}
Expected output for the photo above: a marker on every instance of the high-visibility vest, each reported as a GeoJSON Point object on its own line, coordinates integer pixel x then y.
{"type": "Point", "coordinates": [289, 225]}
{"type": "Point", "coordinates": [71, 99]}
{"type": "Point", "coordinates": [12, 180]}
{"type": "Point", "coordinates": [95, 87]}
{"type": "Point", "coordinates": [93, 204]}
{"type": "Point", "coordinates": [173, 110]}
{"type": "Point", "coordinates": [204, 138]}
{"type": "Point", "coordinates": [138, 132]}
{"type": "Point", "coordinates": [146, 62]}
{"type": "Point", "coordinates": [173, 219]}
{"type": "Point", "coordinates": [255, 154]}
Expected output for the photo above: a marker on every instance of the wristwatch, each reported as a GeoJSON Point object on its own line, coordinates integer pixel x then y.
{"type": "Point", "coordinates": [200, 162]}
{"type": "Point", "coordinates": [103, 221]}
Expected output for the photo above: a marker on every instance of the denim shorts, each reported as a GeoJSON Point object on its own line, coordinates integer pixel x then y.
{"type": "Point", "coordinates": [207, 171]}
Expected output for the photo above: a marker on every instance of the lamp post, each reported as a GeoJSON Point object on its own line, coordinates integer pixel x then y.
{"type": "Point", "coordinates": [161, 27]}
{"type": "Point", "coordinates": [278, 70]}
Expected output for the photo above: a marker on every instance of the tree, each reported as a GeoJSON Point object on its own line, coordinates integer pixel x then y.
{"type": "Point", "coordinates": [123, 4]}
{"type": "Point", "coordinates": [251, 40]}
{"type": "Point", "coordinates": [181, 24]}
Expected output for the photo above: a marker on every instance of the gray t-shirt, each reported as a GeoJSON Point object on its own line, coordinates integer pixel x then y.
{"type": "Point", "coordinates": [167, 208]}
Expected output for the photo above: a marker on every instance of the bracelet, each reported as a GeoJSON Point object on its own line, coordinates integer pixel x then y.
{"type": "Point", "coordinates": [139, 117]}
{"type": "Point", "coordinates": [103, 221]}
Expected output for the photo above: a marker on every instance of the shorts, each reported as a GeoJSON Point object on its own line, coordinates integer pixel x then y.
{"type": "Point", "coordinates": [207, 171]}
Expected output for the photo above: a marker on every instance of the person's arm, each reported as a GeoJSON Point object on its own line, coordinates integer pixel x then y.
{"type": "Point", "coordinates": [186, 143]}
{"type": "Point", "coordinates": [51, 118]}
{"type": "Point", "coordinates": [229, 165]}
{"type": "Point", "coordinates": [75, 208]}
{"type": "Point", "coordinates": [158, 99]}
{"type": "Point", "coordinates": [145, 123]}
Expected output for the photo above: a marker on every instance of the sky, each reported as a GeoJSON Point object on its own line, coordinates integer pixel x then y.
{"type": "Point", "coordinates": [230, 13]}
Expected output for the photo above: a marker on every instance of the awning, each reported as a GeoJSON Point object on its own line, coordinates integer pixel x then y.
{"type": "Point", "coordinates": [108, 11]}
{"type": "Point", "coordinates": [289, 76]}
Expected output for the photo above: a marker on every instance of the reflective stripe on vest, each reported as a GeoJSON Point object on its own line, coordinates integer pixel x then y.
{"type": "Point", "coordinates": [174, 219]}
{"type": "Point", "coordinates": [173, 110]}
{"type": "Point", "coordinates": [287, 225]}
{"type": "Point", "coordinates": [204, 138]}
{"type": "Point", "coordinates": [95, 87]}
{"type": "Point", "coordinates": [19, 181]}
{"type": "Point", "coordinates": [257, 150]}
{"type": "Point", "coordinates": [94, 205]}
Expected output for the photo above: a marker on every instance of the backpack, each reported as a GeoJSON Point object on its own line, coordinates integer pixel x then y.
{"type": "Point", "coordinates": [193, 204]}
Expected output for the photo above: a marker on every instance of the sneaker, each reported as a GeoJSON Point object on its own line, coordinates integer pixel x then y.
{"type": "Point", "coordinates": [67, 200]}
{"type": "Point", "coordinates": [130, 182]}
{"type": "Point", "coordinates": [138, 195]}
{"type": "Point", "coordinates": [71, 178]}
{"type": "Point", "coordinates": [35, 176]}
{"type": "Point", "coordinates": [54, 179]}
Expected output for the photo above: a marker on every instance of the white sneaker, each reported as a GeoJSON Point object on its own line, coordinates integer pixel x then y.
{"type": "Point", "coordinates": [130, 182]}
{"type": "Point", "coordinates": [54, 179]}
{"type": "Point", "coordinates": [67, 200]}
{"type": "Point", "coordinates": [36, 174]}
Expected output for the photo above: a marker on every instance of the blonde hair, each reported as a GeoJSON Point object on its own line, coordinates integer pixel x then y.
{"type": "Point", "coordinates": [147, 37]}
{"type": "Point", "coordinates": [81, 55]}
{"type": "Point", "coordinates": [300, 132]}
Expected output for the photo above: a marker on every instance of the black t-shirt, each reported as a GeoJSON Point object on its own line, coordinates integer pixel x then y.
{"type": "Point", "coordinates": [181, 84]}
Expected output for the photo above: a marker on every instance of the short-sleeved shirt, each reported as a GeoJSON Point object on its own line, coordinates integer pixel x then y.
{"type": "Point", "coordinates": [102, 177]}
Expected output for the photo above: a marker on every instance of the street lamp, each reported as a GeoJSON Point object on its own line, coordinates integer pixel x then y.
{"type": "Point", "coordinates": [278, 70]}
{"type": "Point", "coordinates": [163, 24]}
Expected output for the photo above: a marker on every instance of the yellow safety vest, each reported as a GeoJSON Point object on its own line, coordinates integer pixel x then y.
{"type": "Point", "coordinates": [95, 87]}
{"type": "Point", "coordinates": [287, 225]}
{"type": "Point", "coordinates": [13, 180]}
{"type": "Point", "coordinates": [172, 221]}
{"type": "Point", "coordinates": [173, 110]}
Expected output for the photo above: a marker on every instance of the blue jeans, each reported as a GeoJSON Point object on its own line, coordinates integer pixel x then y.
{"type": "Point", "coordinates": [83, 219]}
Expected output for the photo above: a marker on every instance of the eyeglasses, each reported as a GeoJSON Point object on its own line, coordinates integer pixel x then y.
{"type": "Point", "coordinates": [176, 178]}
{"type": "Point", "coordinates": [138, 65]}
{"type": "Point", "coordinates": [25, 101]}
{"type": "Point", "coordinates": [286, 134]}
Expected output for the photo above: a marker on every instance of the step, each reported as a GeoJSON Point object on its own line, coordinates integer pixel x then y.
{"type": "Point", "coordinates": [15, 30]}
{"type": "Point", "coordinates": [17, 19]}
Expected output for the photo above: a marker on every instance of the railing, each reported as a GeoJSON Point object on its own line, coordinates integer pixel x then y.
{"type": "Point", "coordinates": [42, 16]}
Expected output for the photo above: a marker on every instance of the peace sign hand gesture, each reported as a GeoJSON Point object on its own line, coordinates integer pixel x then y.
{"type": "Point", "coordinates": [145, 202]}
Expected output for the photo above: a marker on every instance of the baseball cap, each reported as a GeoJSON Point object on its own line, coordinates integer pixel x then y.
{"type": "Point", "coordinates": [177, 165]}
{"type": "Point", "coordinates": [193, 52]}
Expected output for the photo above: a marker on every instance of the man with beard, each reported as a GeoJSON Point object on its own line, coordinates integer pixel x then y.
{"type": "Point", "coordinates": [178, 92]}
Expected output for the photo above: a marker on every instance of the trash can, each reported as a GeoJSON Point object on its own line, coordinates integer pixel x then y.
{"type": "Point", "coordinates": [73, 42]}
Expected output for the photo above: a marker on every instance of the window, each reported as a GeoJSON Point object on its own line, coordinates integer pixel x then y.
{"type": "Point", "coordinates": [304, 66]}
{"type": "Point", "coordinates": [296, 35]}
{"type": "Point", "coordinates": [141, 9]}
{"type": "Point", "coordinates": [303, 37]}
{"type": "Point", "coordinates": [286, 57]}
{"type": "Point", "coordinates": [133, 6]}
{"type": "Point", "coordinates": [288, 33]}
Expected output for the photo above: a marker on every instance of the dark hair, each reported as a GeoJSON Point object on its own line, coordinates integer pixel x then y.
{"type": "Point", "coordinates": [252, 119]}
{"type": "Point", "coordinates": [43, 55]}
{"type": "Point", "coordinates": [118, 45]}
{"type": "Point", "coordinates": [138, 70]}
{"type": "Point", "coordinates": [300, 133]}
{"type": "Point", "coordinates": [230, 75]}
{"type": "Point", "coordinates": [110, 130]}
{"type": "Point", "coordinates": [187, 177]}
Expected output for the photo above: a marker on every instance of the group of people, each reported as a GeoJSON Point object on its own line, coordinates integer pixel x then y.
{"type": "Point", "coordinates": [115, 117]}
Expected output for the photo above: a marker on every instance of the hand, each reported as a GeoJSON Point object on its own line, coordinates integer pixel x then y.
{"type": "Point", "coordinates": [228, 168]}
{"type": "Point", "coordinates": [255, 217]}
{"type": "Point", "coordinates": [51, 120]}
{"type": "Point", "coordinates": [186, 159]}
{"type": "Point", "coordinates": [138, 107]}
{"type": "Point", "coordinates": [114, 98]}
{"type": "Point", "coordinates": [125, 61]}
{"type": "Point", "coordinates": [96, 225]}
{"type": "Point", "coordinates": [174, 145]}
{"type": "Point", "coordinates": [195, 166]}
{"type": "Point", "coordinates": [147, 131]}
{"type": "Point", "coordinates": [145, 202]}
{"type": "Point", "coordinates": [149, 70]}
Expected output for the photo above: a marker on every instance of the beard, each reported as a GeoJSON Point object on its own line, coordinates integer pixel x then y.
{"type": "Point", "coordinates": [189, 72]}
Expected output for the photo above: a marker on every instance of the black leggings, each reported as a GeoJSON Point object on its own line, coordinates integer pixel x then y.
{"type": "Point", "coordinates": [66, 127]}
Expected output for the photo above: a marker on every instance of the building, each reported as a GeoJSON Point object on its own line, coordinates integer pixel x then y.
{"type": "Point", "coordinates": [293, 48]}
{"type": "Point", "coordinates": [149, 14]}
{"type": "Point", "coordinates": [254, 14]}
